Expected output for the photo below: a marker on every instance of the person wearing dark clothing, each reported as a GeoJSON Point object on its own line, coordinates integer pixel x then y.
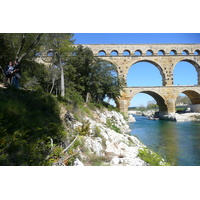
{"type": "Point", "coordinates": [8, 73]}
{"type": "Point", "coordinates": [17, 74]}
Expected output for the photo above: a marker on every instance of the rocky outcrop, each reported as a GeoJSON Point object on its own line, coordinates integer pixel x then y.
{"type": "Point", "coordinates": [118, 149]}
{"type": "Point", "coordinates": [182, 117]}
{"type": "Point", "coordinates": [131, 118]}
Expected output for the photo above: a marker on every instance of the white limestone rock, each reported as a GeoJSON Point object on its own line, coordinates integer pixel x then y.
{"type": "Point", "coordinates": [78, 163]}
{"type": "Point", "coordinates": [121, 149]}
{"type": "Point", "coordinates": [115, 160]}
{"type": "Point", "coordinates": [131, 118]}
{"type": "Point", "coordinates": [94, 145]}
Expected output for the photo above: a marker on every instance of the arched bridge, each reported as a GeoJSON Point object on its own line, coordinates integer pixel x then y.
{"type": "Point", "coordinates": [162, 56]}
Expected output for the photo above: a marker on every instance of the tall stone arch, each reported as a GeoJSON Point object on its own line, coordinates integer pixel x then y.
{"type": "Point", "coordinates": [163, 109]}
{"type": "Point", "coordinates": [156, 64]}
{"type": "Point", "coordinates": [130, 92]}
{"type": "Point", "coordinates": [193, 95]}
{"type": "Point", "coordinates": [194, 62]}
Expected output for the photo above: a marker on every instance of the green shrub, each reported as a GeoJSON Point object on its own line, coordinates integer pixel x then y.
{"type": "Point", "coordinates": [151, 157]}
{"type": "Point", "coordinates": [112, 126]}
{"type": "Point", "coordinates": [84, 130]}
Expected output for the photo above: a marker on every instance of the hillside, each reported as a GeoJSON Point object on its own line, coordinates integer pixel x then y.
{"type": "Point", "coordinates": [28, 122]}
{"type": "Point", "coordinates": [39, 129]}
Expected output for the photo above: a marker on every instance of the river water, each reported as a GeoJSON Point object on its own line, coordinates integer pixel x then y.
{"type": "Point", "coordinates": [176, 142]}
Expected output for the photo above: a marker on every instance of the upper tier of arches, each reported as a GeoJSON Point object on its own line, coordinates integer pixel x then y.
{"type": "Point", "coordinates": [149, 52]}
{"type": "Point", "coordinates": [144, 49]}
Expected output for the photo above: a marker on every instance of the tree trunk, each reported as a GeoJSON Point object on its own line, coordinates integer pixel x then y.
{"type": "Point", "coordinates": [35, 42]}
{"type": "Point", "coordinates": [21, 46]}
{"type": "Point", "coordinates": [62, 78]}
{"type": "Point", "coordinates": [87, 97]}
{"type": "Point", "coordinates": [53, 83]}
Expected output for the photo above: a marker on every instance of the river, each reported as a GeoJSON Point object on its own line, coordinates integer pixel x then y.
{"type": "Point", "coordinates": [176, 142]}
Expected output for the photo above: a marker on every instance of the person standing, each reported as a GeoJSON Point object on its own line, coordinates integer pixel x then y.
{"type": "Point", "coordinates": [8, 73]}
{"type": "Point", "coordinates": [17, 74]}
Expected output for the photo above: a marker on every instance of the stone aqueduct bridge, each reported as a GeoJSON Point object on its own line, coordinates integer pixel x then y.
{"type": "Point", "coordinates": [164, 57]}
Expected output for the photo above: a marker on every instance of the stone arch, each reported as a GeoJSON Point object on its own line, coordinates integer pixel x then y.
{"type": "Point", "coordinates": [197, 52]}
{"type": "Point", "coordinates": [114, 53]}
{"type": "Point", "coordinates": [149, 52]}
{"type": "Point", "coordinates": [193, 96]}
{"type": "Point", "coordinates": [161, 52]}
{"type": "Point", "coordinates": [155, 64]}
{"type": "Point", "coordinates": [138, 51]}
{"type": "Point", "coordinates": [173, 52]}
{"type": "Point", "coordinates": [50, 53]}
{"type": "Point", "coordinates": [185, 52]}
{"type": "Point", "coordinates": [163, 109]}
{"type": "Point", "coordinates": [194, 63]}
{"type": "Point", "coordinates": [101, 53]}
{"type": "Point", "coordinates": [126, 52]}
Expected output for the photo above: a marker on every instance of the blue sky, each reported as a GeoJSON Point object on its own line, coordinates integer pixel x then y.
{"type": "Point", "coordinates": [184, 72]}
{"type": "Point", "coordinates": [136, 38]}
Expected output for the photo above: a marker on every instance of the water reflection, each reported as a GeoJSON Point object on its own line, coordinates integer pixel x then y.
{"type": "Point", "coordinates": [177, 142]}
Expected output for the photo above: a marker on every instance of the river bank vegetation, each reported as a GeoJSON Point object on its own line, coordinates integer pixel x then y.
{"type": "Point", "coordinates": [32, 132]}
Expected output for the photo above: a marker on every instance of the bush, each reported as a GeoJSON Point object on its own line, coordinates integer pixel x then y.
{"type": "Point", "coordinates": [27, 122]}
{"type": "Point", "coordinates": [84, 130]}
{"type": "Point", "coordinates": [151, 157]}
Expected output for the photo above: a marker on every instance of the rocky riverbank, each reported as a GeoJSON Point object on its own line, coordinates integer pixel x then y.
{"type": "Point", "coordinates": [189, 116]}
{"type": "Point", "coordinates": [182, 117]}
{"type": "Point", "coordinates": [109, 141]}
{"type": "Point", "coordinates": [109, 138]}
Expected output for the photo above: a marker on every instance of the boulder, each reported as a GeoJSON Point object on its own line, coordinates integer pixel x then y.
{"type": "Point", "coordinates": [115, 160]}
{"type": "Point", "coordinates": [94, 145]}
{"type": "Point", "coordinates": [131, 118]}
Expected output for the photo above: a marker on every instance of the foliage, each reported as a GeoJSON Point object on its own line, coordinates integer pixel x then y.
{"type": "Point", "coordinates": [84, 130]}
{"type": "Point", "coordinates": [73, 96]}
{"type": "Point", "coordinates": [152, 105]}
{"type": "Point", "coordinates": [183, 99]}
{"type": "Point", "coordinates": [94, 78]}
{"type": "Point", "coordinates": [28, 120]}
{"type": "Point", "coordinates": [22, 46]}
{"type": "Point", "coordinates": [71, 72]}
{"type": "Point", "coordinates": [151, 157]}
{"type": "Point", "coordinates": [34, 76]}
{"type": "Point", "coordinates": [112, 126]}
{"type": "Point", "coordinates": [60, 46]}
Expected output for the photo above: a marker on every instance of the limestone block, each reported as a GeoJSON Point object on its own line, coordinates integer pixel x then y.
{"type": "Point", "coordinates": [131, 118]}
{"type": "Point", "coordinates": [115, 160]}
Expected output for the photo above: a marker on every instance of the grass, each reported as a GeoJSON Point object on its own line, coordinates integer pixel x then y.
{"type": "Point", "coordinates": [112, 126]}
{"type": "Point", "coordinates": [28, 120]}
{"type": "Point", "coordinates": [152, 158]}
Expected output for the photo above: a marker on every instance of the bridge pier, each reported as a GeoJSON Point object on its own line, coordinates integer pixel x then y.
{"type": "Point", "coordinates": [171, 105]}
{"type": "Point", "coordinates": [198, 74]}
{"type": "Point", "coordinates": [123, 105]}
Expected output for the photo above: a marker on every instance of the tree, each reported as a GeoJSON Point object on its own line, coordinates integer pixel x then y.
{"type": "Point", "coordinates": [18, 46]}
{"type": "Point", "coordinates": [151, 104]}
{"type": "Point", "coordinates": [94, 77]}
{"type": "Point", "coordinates": [27, 44]}
{"type": "Point", "coordinates": [60, 46]}
{"type": "Point", "coordinates": [183, 99]}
